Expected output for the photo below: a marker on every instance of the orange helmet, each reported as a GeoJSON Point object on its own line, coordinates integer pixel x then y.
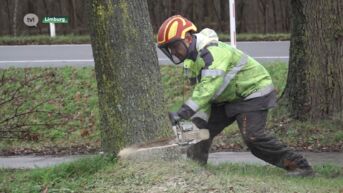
{"type": "Point", "coordinates": [174, 28]}
{"type": "Point", "coordinates": [171, 32]}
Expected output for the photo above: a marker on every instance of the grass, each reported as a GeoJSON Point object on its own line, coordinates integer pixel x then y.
{"type": "Point", "coordinates": [106, 174]}
{"type": "Point", "coordinates": [44, 39]}
{"type": "Point", "coordinates": [256, 37]}
{"type": "Point", "coordinates": [85, 39]}
{"type": "Point", "coordinates": [69, 111]}
{"type": "Point", "coordinates": [67, 176]}
{"type": "Point", "coordinates": [72, 113]}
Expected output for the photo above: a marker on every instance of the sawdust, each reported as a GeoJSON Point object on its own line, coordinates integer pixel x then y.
{"type": "Point", "coordinates": [126, 152]}
{"type": "Point", "coordinates": [165, 149]}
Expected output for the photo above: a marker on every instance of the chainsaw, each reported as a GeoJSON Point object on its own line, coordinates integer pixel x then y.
{"type": "Point", "coordinates": [188, 133]}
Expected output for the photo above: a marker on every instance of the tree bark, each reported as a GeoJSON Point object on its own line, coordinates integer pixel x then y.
{"type": "Point", "coordinates": [315, 80]}
{"type": "Point", "coordinates": [15, 13]}
{"type": "Point", "coordinates": [127, 72]}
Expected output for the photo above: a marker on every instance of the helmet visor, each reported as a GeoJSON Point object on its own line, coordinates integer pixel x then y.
{"type": "Point", "coordinates": [176, 51]}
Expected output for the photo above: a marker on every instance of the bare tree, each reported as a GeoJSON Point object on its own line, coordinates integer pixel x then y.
{"type": "Point", "coordinates": [240, 15]}
{"type": "Point", "coordinates": [263, 6]}
{"type": "Point", "coordinates": [15, 13]}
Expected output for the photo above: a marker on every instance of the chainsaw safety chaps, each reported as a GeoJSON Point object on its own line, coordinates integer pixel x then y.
{"type": "Point", "coordinates": [265, 146]}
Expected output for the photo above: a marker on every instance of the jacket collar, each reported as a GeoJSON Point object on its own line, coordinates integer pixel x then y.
{"type": "Point", "coordinates": [205, 37]}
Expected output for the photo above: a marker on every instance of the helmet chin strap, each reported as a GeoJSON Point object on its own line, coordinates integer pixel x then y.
{"type": "Point", "coordinates": [192, 55]}
{"type": "Point", "coordinates": [191, 49]}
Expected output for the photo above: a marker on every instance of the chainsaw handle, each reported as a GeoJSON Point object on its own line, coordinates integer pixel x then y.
{"type": "Point", "coordinates": [174, 118]}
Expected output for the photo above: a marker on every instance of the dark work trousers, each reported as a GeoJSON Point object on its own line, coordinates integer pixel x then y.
{"type": "Point", "coordinates": [252, 127]}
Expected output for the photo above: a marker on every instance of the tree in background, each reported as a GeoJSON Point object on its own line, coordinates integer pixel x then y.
{"type": "Point", "coordinates": [315, 79]}
{"type": "Point", "coordinates": [127, 72]}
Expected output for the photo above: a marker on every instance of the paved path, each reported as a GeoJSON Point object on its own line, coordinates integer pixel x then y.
{"type": "Point", "coordinates": [34, 161]}
{"type": "Point", "coordinates": [214, 158]}
{"type": "Point", "coordinates": [81, 54]}
{"type": "Point", "coordinates": [247, 157]}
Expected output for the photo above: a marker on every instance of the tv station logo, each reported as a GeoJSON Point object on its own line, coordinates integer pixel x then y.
{"type": "Point", "coordinates": [31, 20]}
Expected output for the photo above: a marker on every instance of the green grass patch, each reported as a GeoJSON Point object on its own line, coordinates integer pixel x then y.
{"type": "Point", "coordinates": [44, 39]}
{"type": "Point", "coordinates": [256, 37]}
{"type": "Point", "coordinates": [321, 135]}
{"type": "Point", "coordinates": [339, 136]}
{"type": "Point", "coordinates": [105, 174]}
{"type": "Point", "coordinates": [278, 72]}
{"type": "Point", "coordinates": [64, 108]}
{"type": "Point", "coordinates": [85, 39]}
{"type": "Point", "coordinates": [65, 177]}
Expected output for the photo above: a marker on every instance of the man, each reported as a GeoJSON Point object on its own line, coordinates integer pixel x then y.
{"type": "Point", "coordinates": [230, 86]}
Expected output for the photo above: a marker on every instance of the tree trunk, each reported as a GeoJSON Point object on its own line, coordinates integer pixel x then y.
{"type": "Point", "coordinates": [315, 80]}
{"type": "Point", "coordinates": [127, 72]}
{"type": "Point", "coordinates": [15, 13]}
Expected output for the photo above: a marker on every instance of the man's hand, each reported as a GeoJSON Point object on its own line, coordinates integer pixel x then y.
{"type": "Point", "coordinates": [174, 118]}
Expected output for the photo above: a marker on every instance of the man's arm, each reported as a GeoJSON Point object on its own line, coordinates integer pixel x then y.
{"type": "Point", "coordinates": [202, 95]}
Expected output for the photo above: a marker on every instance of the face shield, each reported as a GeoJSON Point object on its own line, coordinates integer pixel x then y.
{"type": "Point", "coordinates": [176, 51]}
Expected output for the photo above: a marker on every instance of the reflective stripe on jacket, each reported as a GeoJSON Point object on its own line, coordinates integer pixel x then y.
{"type": "Point", "coordinates": [226, 75]}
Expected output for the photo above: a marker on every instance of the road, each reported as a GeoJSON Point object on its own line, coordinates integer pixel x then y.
{"type": "Point", "coordinates": [214, 158]}
{"type": "Point", "coordinates": [81, 54]}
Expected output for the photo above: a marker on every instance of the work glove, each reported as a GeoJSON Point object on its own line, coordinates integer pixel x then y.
{"type": "Point", "coordinates": [174, 118]}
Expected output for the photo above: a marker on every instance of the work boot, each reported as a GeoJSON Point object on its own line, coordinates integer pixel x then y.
{"type": "Point", "coordinates": [199, 152]}
{"type": "Point", "coordinates": [301, 172]}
